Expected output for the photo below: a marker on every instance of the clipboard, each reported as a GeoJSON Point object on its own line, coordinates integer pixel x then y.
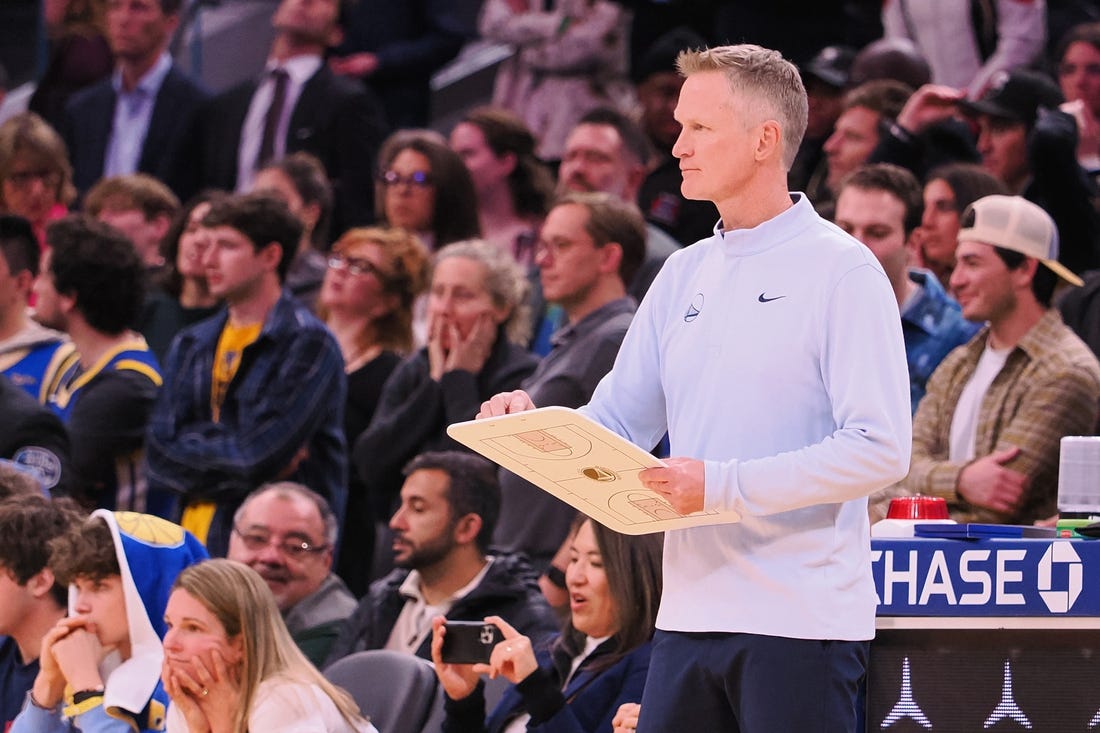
{"type": "Point", "coordinates": [579, 461]}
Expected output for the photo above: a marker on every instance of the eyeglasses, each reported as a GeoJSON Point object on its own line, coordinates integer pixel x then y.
{"type": "Point", "coordinates": [24, 179]}
{"type": "Point", "coordinates": [553, 249]}
{"type": "Point", "coordinates": [355, 266]}
{"type": "Point", "coordinates": [417, 179]}
{"type": "Point", "coordinates": [292, 548]}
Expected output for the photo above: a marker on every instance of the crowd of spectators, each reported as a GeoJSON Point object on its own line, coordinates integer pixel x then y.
{"type": "Point", "coordinates": [254, 313]}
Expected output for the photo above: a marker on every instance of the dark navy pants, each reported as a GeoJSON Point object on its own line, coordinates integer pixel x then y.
{"type": "Point", "coordinates": [745, 683]}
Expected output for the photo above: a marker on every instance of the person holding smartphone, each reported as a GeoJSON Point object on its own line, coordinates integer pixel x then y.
{"type": "Point", "coordinates": [599, 661]}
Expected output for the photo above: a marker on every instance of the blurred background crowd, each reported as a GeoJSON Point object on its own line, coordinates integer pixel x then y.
{"type": "Point", "coordinates": [256, 243]}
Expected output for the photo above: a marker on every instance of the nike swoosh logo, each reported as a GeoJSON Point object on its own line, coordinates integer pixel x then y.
{"type": "Point", "coordinates": [762, 299]}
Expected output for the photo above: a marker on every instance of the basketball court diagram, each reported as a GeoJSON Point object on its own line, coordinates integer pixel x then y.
{"type": "Point", "coordinates": [582, 463]}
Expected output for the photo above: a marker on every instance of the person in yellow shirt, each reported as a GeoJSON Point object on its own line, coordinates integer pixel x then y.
{"type": "Point", "coordinates": [256, 392]}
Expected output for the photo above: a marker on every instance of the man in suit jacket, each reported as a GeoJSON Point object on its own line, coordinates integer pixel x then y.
{"type": "Point", "coordinates": [311, 109]}
{"type": "Point", "coordinates": [136, 120]}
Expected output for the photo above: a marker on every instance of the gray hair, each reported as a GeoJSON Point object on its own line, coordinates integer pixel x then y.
{"type": "Point", "coordinates": [766, 82]}
{"type": "Point", "coordinates": [290, 490]}
{"type": "Point", "coordinates": [505, 281]}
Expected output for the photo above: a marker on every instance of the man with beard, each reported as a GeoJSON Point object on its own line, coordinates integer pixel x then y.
{"type": "Point", "coordinates": [657, 84]}
{"type": "Point", "coordinates": [287, 534]}
{"type": "Point", "coordinates": [449, 507]}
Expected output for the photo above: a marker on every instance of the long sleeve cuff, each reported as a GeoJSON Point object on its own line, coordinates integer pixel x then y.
{"type": "Point", "coordinates": [35, 719]}
{"type": "Point", "coordinates": [469, 708]}
{"type": "Point", "coordinates": [541, 696]}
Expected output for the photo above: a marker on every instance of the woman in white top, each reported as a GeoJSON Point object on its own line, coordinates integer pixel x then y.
{"type": "Point", "coordinates": [230, 665]}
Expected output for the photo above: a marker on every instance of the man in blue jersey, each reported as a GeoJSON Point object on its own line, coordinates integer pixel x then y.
{"type": "Point", "coordinates": [772, 355]}
{"type": "Point", "coordinates": [31, 355]}
{"type": "Point", "coordinates": [91, 287]}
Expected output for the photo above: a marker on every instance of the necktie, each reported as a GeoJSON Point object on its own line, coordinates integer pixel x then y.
{"type": "Point", "coordinates": [271, 120]}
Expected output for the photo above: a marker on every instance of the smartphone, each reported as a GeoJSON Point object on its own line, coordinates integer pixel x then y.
{"type": "Point", "coordinates": [470, 642]}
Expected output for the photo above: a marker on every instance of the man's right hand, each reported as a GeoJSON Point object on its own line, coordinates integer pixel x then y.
{"type": "Point", "coordinates": [987, 483]}
{"type": "Point", "coordinates": [505, 403]}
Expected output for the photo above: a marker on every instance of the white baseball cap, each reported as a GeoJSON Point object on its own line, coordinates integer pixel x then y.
{"type": "Point", "coordinates": [1013, 222]}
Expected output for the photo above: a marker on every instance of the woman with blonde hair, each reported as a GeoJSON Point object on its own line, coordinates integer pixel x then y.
{"type": "Point", "coordinates": [36, 178]}
{"type": "Point", "coordinates": [230, 665]}
{"type": "Point", "coordinates": [373, 279]}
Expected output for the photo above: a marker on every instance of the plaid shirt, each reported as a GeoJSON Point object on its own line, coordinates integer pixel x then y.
{"type": "Point", "coordinates": [287, 395]}
{"type": "Point", "coordinates": [1048, 388]}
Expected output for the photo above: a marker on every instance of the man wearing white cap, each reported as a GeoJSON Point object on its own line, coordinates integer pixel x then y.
{"type": "Point", "coordinates": [986, 435]}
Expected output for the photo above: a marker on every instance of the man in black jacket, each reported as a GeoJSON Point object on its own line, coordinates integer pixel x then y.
{"type": "Point", "coordinates": [297, 103]}
{"type": "Point", "coordinates": [137, 119]}
{"type": "Point", "coordinates": [449, 506]}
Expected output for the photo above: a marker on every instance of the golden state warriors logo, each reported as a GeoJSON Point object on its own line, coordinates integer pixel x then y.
{"type": "Point", "coordinates": [599, 473]}
{"type": "Point", "coordinates": [149, 529]}
{"type": "Point", "coordinates": [695, 307]}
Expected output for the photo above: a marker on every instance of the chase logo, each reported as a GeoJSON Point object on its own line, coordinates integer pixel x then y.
{"type": "Point", "coordinates": [695, 307]}
{"type": "Point", "coordinates": [1060, 553]}
{"type": "Point", "coordinates": [988, 578]}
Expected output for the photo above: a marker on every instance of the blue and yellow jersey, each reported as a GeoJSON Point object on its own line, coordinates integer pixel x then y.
{"type": "Point", "coordinates": [38, 368]}
{"type": "Point", "coordinates": [133, 355]}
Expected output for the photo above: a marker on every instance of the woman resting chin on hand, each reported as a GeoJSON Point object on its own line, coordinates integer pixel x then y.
{"type": "Point", "coordinates": [222, 680]}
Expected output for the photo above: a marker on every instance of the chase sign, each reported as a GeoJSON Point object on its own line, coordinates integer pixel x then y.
{"type": "Point", "coordinates": [1022, 577]}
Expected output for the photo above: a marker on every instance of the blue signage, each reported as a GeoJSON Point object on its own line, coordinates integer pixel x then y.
{"type": "Point", "coordinates": [1020, 577]}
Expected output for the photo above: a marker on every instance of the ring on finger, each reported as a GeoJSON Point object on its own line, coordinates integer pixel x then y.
{"type": "Point", "coordinates": [204, 691]}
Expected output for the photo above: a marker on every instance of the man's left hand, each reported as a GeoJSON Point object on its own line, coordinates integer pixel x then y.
{"type": "Point", "coordinates": [680, 482]}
